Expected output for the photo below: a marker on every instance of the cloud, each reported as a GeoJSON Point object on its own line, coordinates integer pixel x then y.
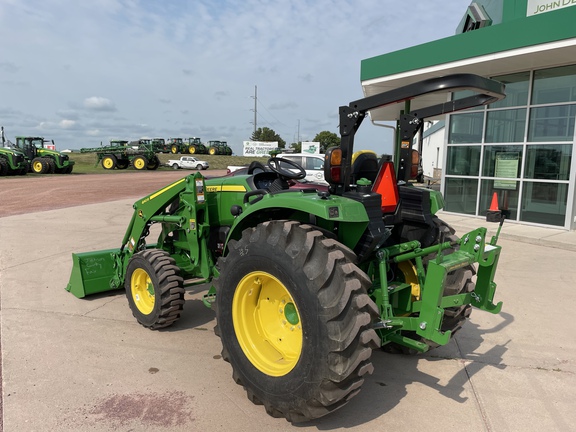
{"type": "Point", "coordinates": [203, 58]}
{"type": "Point", "coordinates": [67, 124]}
{"type": "Point", "coordinates": [97, 103]}
{"type": "Point", "coordinates": [9, 67]}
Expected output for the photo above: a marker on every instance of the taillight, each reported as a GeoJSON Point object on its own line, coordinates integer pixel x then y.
{"type": "Point", "coordinates": [415, 164]}
{"type": "Point", "coordinates": [333, 165]}
{"type": "Point", "coordinates": [385, 185]}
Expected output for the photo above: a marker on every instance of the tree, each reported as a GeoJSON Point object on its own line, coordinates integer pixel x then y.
{"type": "Point", "coordinates": [327, 139]}
{"type": "Point", "coordinates": [297, 147]}
{"type": "Point", "coordinates": [266, 134]}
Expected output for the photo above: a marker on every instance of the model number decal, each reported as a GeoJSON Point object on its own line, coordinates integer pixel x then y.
{"type": "Point", "coordinates": [333, 212]}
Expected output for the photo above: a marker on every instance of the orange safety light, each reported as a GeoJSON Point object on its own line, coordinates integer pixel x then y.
{"type": "Point", "coordinates": [386, 186]}
{"type": "Point", "coordinates": [333, 165]}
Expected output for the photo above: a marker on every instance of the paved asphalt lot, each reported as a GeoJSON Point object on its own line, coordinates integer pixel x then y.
{"type": "Point", "coordinates": [75, 365]}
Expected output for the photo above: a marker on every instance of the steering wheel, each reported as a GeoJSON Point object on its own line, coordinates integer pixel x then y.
{"type": "Point", "coordinates": [274, 165]}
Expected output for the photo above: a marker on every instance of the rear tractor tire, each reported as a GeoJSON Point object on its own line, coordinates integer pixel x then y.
{"type": "Point", "coordinates": [122, 164]}
{"type": "Point", "coordinates": [154, 288]}
{"type": "Point", "coordinates": [294, 318]}
{"type": "Point", "coordinates": [3, 167]}
{"type": "Point", "coordinates": [51, 165]}
{"type": "Point", "coordinates": [153, 164]}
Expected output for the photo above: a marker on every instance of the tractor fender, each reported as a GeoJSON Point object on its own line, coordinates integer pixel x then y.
{"type": "Point", "coordinates": [344, 216]}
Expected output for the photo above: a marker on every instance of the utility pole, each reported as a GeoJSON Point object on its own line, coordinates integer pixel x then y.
{"type": "Point", "coordinates": [255, 107]}
{"type": "Point", "coordinates": [298, 132]}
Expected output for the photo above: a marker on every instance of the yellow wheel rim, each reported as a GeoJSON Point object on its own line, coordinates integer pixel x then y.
{"type": "Point", "coordinates": [267, 323]}
{"type": "Point", "coordinates": [139, 163]}
{"type": "Point", "coordinates": [142, 291]}
{"type": "Point", "coordinates": [174, 150]}
{"type": "Point", "coordinates": [411, 277]}
{"type": "Point", "coordinates": [192, 149]}
{"type": "Point", "coordinates": [212, 151]}
{"type": "Point", "coordinates": [108, 163]}
{"type": "Point", "coordinates": [37, 167]}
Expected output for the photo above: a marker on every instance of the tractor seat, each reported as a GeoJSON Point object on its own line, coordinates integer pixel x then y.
{"type": "Point", "coordinates": [269, 181]}
{"type": "Point", "coordinates": [364, 165]}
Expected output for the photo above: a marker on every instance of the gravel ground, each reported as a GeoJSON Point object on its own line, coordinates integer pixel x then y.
{"type": "Point", "coordinates": [33, 193]}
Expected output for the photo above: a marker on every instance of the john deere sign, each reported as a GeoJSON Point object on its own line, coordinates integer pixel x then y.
{"type": "Point", "coordinates": [541, 6]}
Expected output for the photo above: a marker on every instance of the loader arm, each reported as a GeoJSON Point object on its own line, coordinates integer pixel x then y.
{"type": "Point", "coordinates": [95, 272]}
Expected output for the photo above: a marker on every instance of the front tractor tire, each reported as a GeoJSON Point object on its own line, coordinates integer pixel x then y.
{"type": "Point", "coordinates": [140, 163]}
{"type": "Point", "coordinates": [109, 162]}
{"type": "Point", "coordinates": [40, 165]}
{"type": "Point", "coordinates": [154, 288]}
{"type": "Point", "coordinates": [295, 319]}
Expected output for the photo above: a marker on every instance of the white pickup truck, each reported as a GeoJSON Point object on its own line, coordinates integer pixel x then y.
{"type": "Point", "coordinates": [188, 162]}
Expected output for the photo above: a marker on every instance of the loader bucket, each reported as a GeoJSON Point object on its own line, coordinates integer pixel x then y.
{"type": "Point", "coordinates": [94, 272]}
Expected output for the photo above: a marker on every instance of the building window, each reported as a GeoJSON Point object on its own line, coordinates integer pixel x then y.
{"type": "Point", "coordinates": [554, 85]}
{"type": "Point", "coordinates": [506, 125]}
{"type": "Point", "coordinates": [544, 203]}
{"type": "Point", "coordinates": [517, 87]}
{"type": "Point", "coordinates": [463, 160]}
{"type": "Point", "coordinates": [519, 148]}
{"type": "Point", "coordinates": [552, 123]}
{"type": "Point", "coordinates": [507, 198]}
{"type": "Point", "coordinates": [548, 162]}
{"type": "Point", "coordinates": [460, 196]}
{"type": "Point", "coordinates": [466, 128]}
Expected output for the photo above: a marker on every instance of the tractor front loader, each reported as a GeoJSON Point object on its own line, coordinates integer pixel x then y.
{"type": "Point", "coordinates": [306, 282]}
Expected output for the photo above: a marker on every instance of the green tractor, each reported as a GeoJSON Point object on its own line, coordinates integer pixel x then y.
{"type": "Point", "coordinates": [195, 146]}
{"type": "Point", "coordinates": [177, 145]}
{"type": "Point", "coordinates": [44, 160]}
{"type": "Point", "coordinates": [12, 161]}
{"type": "Point", "coordinates": [219, 148]}
{"type": "Point", "coordinates": [306, 282]}
{"type": "Point", "coordinates": [120, 154]}
{"type": "Point", "coordinates": [159, 145]}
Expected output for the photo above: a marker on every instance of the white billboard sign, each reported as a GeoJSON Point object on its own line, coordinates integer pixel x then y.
{"type": "Point", "coordinates": [259, 148]}
{"type": "Point", "coordinates": [310, 147]}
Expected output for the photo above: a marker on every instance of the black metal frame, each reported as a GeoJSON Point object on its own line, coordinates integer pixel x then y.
{"type": "Point", "coordinates": [351, 116]}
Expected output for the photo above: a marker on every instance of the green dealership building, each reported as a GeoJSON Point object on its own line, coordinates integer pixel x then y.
{"type": "Point", "coordinates": [520, 148]}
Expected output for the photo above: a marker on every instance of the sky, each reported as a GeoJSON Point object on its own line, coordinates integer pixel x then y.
{"type": "Point", "coordinates": [86, 72]}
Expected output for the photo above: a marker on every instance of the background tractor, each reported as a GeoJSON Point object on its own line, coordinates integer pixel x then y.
{"type": "Point", "coordinates": [192, 145]}
{"type": "Point", "coordinates": [195, 146]}
{"type": "Point", "coordinates": [219, 148]}
{"type": "Point", "coordinates": [306, 282]}
{"type": "Point", "coordinates": [159, 145]}
{"type": "Point", "coordinates": [44, 160]}
{"type": "Point", "coordinates": [12, 161]}
{"type": "Point", "coordinates": [177, 145]}
{"type": "Point", "coordinates": [121, 154]}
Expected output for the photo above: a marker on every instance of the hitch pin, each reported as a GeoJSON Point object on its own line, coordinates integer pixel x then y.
{"type": "Point", "coordinates": [383, 324]}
